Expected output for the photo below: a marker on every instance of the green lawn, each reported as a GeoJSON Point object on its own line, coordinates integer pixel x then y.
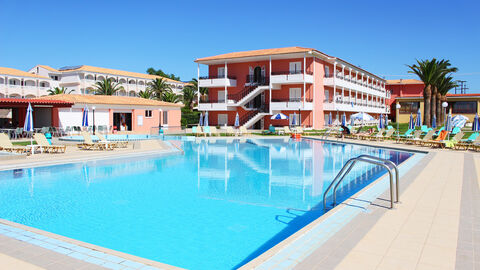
{"type": "Point", "coordinates": [23, 143]}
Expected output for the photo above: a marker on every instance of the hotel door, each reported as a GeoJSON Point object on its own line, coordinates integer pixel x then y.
{"type": "Point", "coordinates": [122, 121]}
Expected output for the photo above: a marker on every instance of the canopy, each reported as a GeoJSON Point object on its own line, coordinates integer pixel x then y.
{"type": "Point", "coordinates": [459, 121]}
{"type": "Point", "coordinates": [362, 116]}
{"type": "Point", "coordinates": [279, 116]}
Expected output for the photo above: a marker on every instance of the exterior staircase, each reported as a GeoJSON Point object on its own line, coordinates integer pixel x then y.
{"type": "Point", "coordinates": [248, 94]}
{"type": "Point", "coordinates": [251, 118]}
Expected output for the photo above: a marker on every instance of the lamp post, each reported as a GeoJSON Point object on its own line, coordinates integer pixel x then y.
{"type": "Point", "coordinates": [397, 112]}
{"type": "Point", "coordinates": [444, 105]}
{"type": "Point", "coordinates": [93, 111]}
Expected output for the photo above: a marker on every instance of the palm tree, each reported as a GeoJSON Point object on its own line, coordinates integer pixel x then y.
{"type": "Point", "coordinates": [426, 71]}
{"type": "Point", "coordinates": [203, 90]}
{"type": "Point", "coordinates": [443, 68]}
{"type": "Point", "coordinates": [158, 87]}
{"type": "Point", "coordinates": [146, 94]}
{"type": "Point", "coordinates": [444, 85]}
{"type": "Point", "coordinates": [59, 91]}
{"type": "Point", "coordinates": [107, 87]}
{"type": "Point", "coordinates": [169, 96]}
{"type": "Point", "coordinates": [189, 95]}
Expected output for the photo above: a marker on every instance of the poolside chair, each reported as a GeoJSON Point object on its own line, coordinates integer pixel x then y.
{"type": "Point", "coordinates": [88, 143]}
{"type": "Point", "coordinates": [438, 131]}
{"type": "Point", "coordinates": [46, 147]}
{"type": "Point", "coordinates": [6, 145]}
{"type": "Point", "coordinates": [468, 143]}
{"type": "Point", "coordinates": [449, 143]}
{"type": "Point", "coordinates": [428, 141]}
{"type": "Point", "coordinates": [372, 135]}
{"type": "Point", "coordinates": [230, 131]}
{"type": "Point", "coordinates": [455, 130]}
{"type": "Point", "coordinates": [197, 131]}
{"type": "Point", "coordinates": [381, 137]}
{"type": "Point", "coordinates": [299, 129]}
{"type": "Point", "coordinates": [115, 144]}
{"type": "Point", "coordinates": [243, 131]}
{"type": "Point", "coordinates": [206, 130]}
{"type": "Point", "coordinates": [404, 136]}
{"type": "Point", "coordinates": [415, 139]}
{"type": "Point", "coordinates": [214, 131]}
{"type": "Point", "coordinates": [286, 130]}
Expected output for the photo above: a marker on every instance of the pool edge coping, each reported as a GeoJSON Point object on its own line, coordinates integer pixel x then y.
{"type": "Point", "coordinates": [270, 253]}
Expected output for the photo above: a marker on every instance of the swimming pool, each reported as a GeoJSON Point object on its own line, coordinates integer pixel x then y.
{"type": "Point", "coordinates": [112, 137]}
{"type": "Point", "coordinates": [218, 206]}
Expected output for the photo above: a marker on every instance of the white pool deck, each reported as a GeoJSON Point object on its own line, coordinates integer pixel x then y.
{"type": "Point", "coordinates": [436, 225]}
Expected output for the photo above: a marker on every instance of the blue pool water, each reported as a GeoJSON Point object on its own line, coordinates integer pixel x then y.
{"type": "Point", "coordinates": [217, 207]}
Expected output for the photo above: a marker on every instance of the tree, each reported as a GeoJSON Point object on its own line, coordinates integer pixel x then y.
{"type": "Point", "coordinates": [59, 91]}
{"type": "Point", "coordinates": [203, 90]}
{"type": "Point", "coordinates": [107, 87]}
{"type": "Point", "coordinates": [159, 72]}
{"type": "Point", "coordinates": [444, 85]}
{"type": "Point", "coordinates": [442, 70]}
{"type": "Point", "coordinates": [146, 94]}
{"type": "Point", "coordinates": [158, 87]}
{"type": "Point", "coordinates": [169, 96]}
{"type": "Point", "coordinates": [189, 95]}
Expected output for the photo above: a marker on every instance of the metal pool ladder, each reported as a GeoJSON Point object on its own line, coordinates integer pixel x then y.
{"type": "Point", "coordinates": [368, 159]}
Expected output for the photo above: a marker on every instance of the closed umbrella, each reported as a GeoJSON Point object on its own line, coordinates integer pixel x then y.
{"type": "Point", "coordinates": [434, 121]}
{"type": "Point", "coordinates": [205, 120]}
{"type": "Point", "coordinates": [411, 123]}
{"type": "Point", "coordinates": [418, 121]}
{"type": "Point", "coordinates": [28, 125]}
{"type": "Point", "coordinates": [237, 120]}
{"type": "Point", "coordinates": [476, 123]}
{"type": "Point", "coordinates": [386, 120]}
{"type": "Point", "coordinates": [352, 121]}
{"type": "Point", "coordinates": [85, 117]}
{"type": "Point", "coordinates": [448, 125]}
{"type": "Point", "coordinates": [381, 124]}
{"type": "Point", "coordinates": [294, 119]}
{"type": "Point", "coordinates": [330, 121]}
{"type": "Point", "coordinates": [344, 120]}
{"type": "Point", "coordinates": [200, 121]}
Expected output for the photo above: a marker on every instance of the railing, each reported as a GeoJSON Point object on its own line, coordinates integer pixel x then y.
{"type": "Point", "coordinates": [291, 100]}
{"type": "Point", "coordinates": [291, 72]}
{"type": "Point", "coordinates": [217, 77]}
{"type": "Point", "coordinates": [212, 100]}
{"type": "Point", "coordinates": [355, 81]}
{"type": "Point", "coordinates": [247, 89]}
{"type": "Point", "coordinates": [262, 80]}
{"type": "Point", "coordinates": [368, 159]}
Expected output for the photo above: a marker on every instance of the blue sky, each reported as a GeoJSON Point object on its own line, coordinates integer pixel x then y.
{"type": "Point", "coordinates": [380, 36]}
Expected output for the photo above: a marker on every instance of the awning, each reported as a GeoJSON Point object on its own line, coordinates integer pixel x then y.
{"type": "Point", "coordinates": [23, 102]}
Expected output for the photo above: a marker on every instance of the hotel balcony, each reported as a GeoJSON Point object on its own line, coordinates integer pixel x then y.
{"type": "Point", "coordinates": [356, 106]}
{"type": "Point", "coordinates": [217, 81]}
{"type": "Point", "coordinates": [351, 83]}
{"type": "Point", "coordinates": [291, 104]}
{"type": "Point", "coordinates": [213, 105]}
{"type": "Point", "coordinates": [290, 77]}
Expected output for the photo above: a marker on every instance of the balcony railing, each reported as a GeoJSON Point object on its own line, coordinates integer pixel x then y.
{"type": "Point", "coordinates": [212, 100]}
{"type": "Point", "coordinates": [217, 77]}
{"type": "Point", "coordinates": [291, 99]}
{"type": "Point", "coordinates": [262, 80]}
{"type": "Point", "coordinates": [355, 81]}
{"type": "Point", "coordinates": [291, 72]}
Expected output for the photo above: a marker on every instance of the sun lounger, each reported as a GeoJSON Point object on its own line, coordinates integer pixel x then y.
{"type": "Point", "coordinates": [243, 131]}
{"type": "Point", "coordinates": [88, 143]}
{"type": "Point", "coordinates": [6, 145]}
{"type": "Point", "coordinates": [406, 135]}
{"type": "Point", "coordinates": [416, 137]}
{"type": "Point", "coordinates": [197, 131]}
{"type": "Point", "coordinates": [286, 130]}
{"type": "Point", "coordinates": [299, 130]}
{"type": "Point", "coordinates": [449, 143]}
{"type": "Point", "coordinates": [214, 131]}
{"type": "Point", "coordinates": [45, 146]}
{"type": "Point", "coordinates": [381, 137]}
{"type": "Point", "coordinates": [372, 135]}
{"type": "Point", "coordinates": [230, 131]}
{"type": "Point", "coordinates": [468, 143]}
{"type": "Point", "coordinates": [429, 142]}
{"type": "Point", "coordinates": [206, 130]}
{"type": "Point", "coordinates": [115, 144]}
{"type": "Point", "coordinates": [271, 130]}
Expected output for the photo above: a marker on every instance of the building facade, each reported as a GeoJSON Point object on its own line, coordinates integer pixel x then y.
{"type": "Point", "coordinates": [408, 93]}
{"type": "Point", "coordinates": [295, 81]}
{"type": "Point", "coordinates": [78, 79]}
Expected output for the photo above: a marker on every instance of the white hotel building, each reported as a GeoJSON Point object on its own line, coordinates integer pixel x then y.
{"type": "Point", "coordinates": [37, 81]}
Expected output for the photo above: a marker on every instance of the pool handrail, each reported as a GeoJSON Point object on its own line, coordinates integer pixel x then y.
{"type": "Point", "coordinates": [368, 159]}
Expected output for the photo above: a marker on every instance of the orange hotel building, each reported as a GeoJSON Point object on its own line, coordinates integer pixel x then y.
{"type": "Point", "coordinates": [260, 83]}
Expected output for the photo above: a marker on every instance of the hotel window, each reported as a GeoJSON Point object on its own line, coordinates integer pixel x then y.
{"type": "Point", "coordinates": [327, 96]}
{"type": "Point", "coordinates": [295, 94]}
{"type": "Point", "coordinates": [165, 118]}
{"type": "Point", "coordinates": [469, 107]}
{"type": "Point", "coordinates": [327, 71]}
{"type": "Point", "coordinates": [221, 72]}
{"type": "Point", "coordinates": [295, 67]}
{"type": "Point", "coordinates": [222, 119]}
{"type": "Point", "coordinates": [148, 113]}
{"type": "Point", "coordinates": [221, 96]}
{"type": "Point", "coordinates": [409, 107]}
